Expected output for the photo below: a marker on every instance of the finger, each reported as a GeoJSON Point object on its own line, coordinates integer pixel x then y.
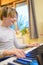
{"type": "Point", "coordinates": [19, 55]}
{"type": "Point", "coordinates": [22, 53]}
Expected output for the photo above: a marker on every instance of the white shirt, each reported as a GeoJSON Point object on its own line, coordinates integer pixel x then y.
{"type": "Point", "coordinates": [8, 39]}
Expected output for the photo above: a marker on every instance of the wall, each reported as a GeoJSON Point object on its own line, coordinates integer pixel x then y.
{"type": "Point", "coordinates": [39, 18]}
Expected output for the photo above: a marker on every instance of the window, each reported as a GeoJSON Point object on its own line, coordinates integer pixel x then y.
{"type": "Point", "coordinates": [23, 18]}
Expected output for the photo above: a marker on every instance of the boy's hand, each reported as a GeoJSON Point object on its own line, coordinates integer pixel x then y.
{"type": "Point", "coordinates": [33, 45]}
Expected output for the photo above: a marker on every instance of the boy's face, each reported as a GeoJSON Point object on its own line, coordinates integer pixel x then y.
{"type": "Point", "coordinates": [9, 21]}
{"type": "Point", "coordinates": [13, 19]}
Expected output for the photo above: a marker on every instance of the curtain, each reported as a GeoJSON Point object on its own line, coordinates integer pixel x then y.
{"type": "Point", "coordinates": [33, 26]}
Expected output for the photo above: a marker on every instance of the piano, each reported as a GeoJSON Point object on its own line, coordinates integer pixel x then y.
{"type": "Point", "coordinates": [34, 56]}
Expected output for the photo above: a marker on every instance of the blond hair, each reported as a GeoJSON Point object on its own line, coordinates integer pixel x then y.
{"type": "Point", "coordinates": [8, 11]}
{"type": "Point", "coordinates": [0, 12]}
